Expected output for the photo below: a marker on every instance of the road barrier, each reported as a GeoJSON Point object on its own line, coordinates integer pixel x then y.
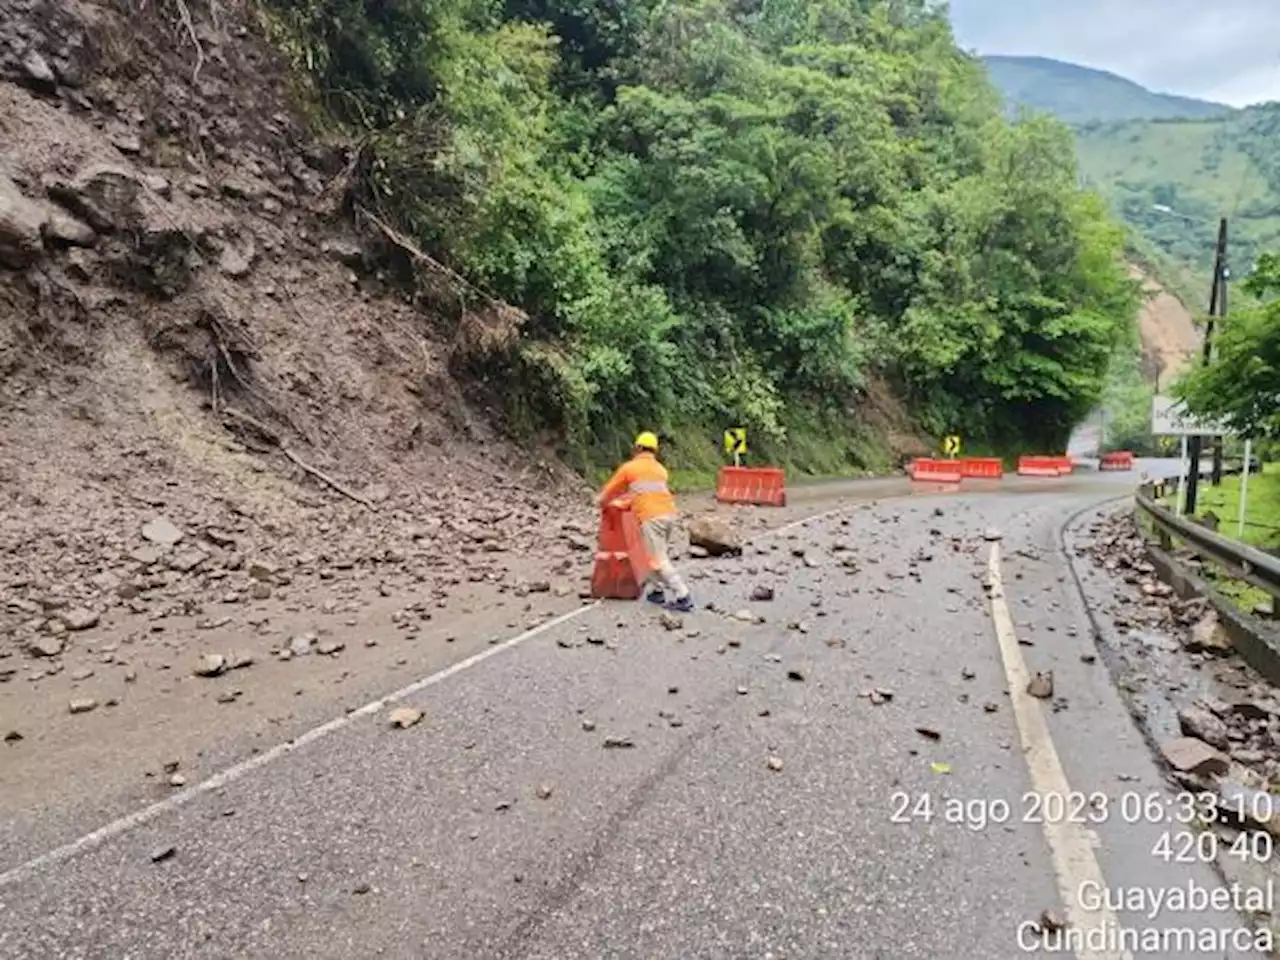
{"type": "Point", "coordinates": [924, 470]}
{"type": "Point", "coordinates": [621, 561]}
{"type": "Point", "coordinates": [1044, 466]}
{"type": "Point", "coordinates": [762, 486]}
{"type": "Point", "coordinates": [982, 468]}
{"type": "Point", "coordinates": [1118, 460]}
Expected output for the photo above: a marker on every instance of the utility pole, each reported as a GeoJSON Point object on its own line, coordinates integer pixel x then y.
{"type": "Point", "coordinates": [1217, 302]}
{"type": "Point", "coordinates": [1216, 476]}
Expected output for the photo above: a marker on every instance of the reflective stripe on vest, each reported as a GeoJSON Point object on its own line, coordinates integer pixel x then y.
{"type": "Point", "coordinates": [647, 486]}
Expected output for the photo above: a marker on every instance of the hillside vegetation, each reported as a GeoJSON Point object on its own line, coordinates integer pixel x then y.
{"type": "Point", "coordinates": [1201, 170]}
{"type": "Point", "coordinates": [730, 213]}
{"type": "Point", "coordinates": [1076, 94]}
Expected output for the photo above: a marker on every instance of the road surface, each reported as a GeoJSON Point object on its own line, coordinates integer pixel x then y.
{"type": "Point", "coordinates": [765, 779]}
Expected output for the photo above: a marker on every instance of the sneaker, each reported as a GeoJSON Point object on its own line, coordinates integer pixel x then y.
{"type": "Point", "coordinates": [657, 597]}
{"type": "Point", "coordinates": [683, 605]}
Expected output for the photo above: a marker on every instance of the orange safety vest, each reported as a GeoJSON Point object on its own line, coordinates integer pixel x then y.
{"type": "Point", "coordinates": [643, 479]}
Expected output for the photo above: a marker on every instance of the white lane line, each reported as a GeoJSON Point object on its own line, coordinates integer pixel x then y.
{"type": "Point", "coordinates": [237, 771]}
{"type": "Point", "coordinates": [233, 773]}
{"type": "Point", "coordinates": [1071, 844]}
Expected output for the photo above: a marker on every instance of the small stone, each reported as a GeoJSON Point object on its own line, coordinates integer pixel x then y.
{"type": "Point", "coordinates": [1208, 636]}
{"type": "Point", "coordinates": [1088, 658]}
{"type": "Point", "coordinates": [746, 616]}
{"type": "Point", "coordinates": [543, 791]}
{"type": "Point", "coordinates": [990, 707]}
{"type": "Point", "coordinates": [1041, 685]}
{"type": "Point", "coordinates": [210, 665]}
{"type": "Point", "coordinates": [80, 618]}
{"type": "Point", "coordinates": [301, 645]}
{"type": "Point", "coordinates": [775, 764]}
{"type": "Point", "coordinates": [618, 743]}
{"type": "Point", "coordinates": [44, 646]}
{"type": "Point", "coordinates": [588, 725]}
{"type": "Point", "coordinates": [1196, 721]}
{"type": "Point", "coordinates": [13, 736]}
{"type": "Point", "coordinates": [161, 531]}
{"type": "Point", "coordinates": [967, 674]}
{"type": "Point", "coordinates": [83, 705]}
{"type": "Point", "coordinates": [177, 780]}
{"type": "Point", "coordinates": [929, 733]}
{"type": "Point", "coordinates": [262, 571]}
{"type": "Point", "coordinates": [404, 717]}
{"type": "Point", "coordinates": [742, 691]}
{"type": "Point", "coordinates": [1189, 755]}
{"type": "Point", "coordinates": [879, 695]}
{"type": "Point", "coordinates": [762, 593]}
{"type": "Point", "coordinates": [796, 675]}
{"type": "Point", "coordinates": [360, 889]}
{"type": "Point", "coordinates": [991, 535]}
{"type": "Point", "coordinates": [330, 647]}
{"type": "Point", "coordinates": [163, 853]}
{"type": "Point", "coordinates": [671, 622]}
{"type": "Point", "coordinates": [260, 591]}
{"type": "Point", "coordinates": [1051, 921]}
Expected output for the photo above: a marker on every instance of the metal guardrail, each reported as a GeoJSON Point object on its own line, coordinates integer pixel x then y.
{"type": "Point", "coordinates": [1240, 561]}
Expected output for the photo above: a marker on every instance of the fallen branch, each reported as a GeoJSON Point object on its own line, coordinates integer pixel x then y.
{"type": "Point", "coordinates": [271, 437]}
{"type": "Point", "coordinates": [411, 248]}
{"type": "Point", "coordinates": [349, 494]}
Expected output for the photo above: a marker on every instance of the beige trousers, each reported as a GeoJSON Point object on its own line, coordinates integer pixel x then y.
{"type": "Point", "coordinates": [657, 535]}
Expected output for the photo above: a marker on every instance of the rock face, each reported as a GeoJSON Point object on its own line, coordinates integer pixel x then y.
{"type": "Point", "coordinates": [715, 537]}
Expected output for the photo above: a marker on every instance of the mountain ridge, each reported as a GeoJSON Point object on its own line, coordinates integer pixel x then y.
{"type": "Point", "coordinates": [1078, 94]}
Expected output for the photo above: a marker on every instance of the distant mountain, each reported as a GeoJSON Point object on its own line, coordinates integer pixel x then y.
{"type": "Point", "coordinates": [1078, 95]}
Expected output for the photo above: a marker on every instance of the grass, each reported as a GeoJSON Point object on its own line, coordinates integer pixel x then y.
{"type": "Point", "coordinates": [1262, 517]}
{"type": "Point", "coordinates": [1261, 530]}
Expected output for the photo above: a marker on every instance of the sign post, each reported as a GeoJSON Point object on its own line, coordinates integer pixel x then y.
{"type": "Point", "coordinates": [951, 446]}
{"type": "Point", "coordinates": [1182, 475]}
{"type": "Point", "coordinates": [735, 444]}
{"type": "Point", "coordinates": [1244, 488]}
{"type": "Point", "coordinates": [1169, 418]}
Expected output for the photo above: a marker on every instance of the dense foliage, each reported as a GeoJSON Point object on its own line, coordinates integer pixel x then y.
{"type": "Point", "coordinates": [727, 212]}
{"type": "Point", "coordinates": [1241, 387]}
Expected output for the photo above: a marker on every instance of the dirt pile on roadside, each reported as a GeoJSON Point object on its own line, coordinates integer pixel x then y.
{"type": "Point", "coordinates": [189, 329]}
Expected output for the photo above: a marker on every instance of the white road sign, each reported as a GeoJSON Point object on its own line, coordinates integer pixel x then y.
{"type": "Point", "coordinates": [1169, 419]}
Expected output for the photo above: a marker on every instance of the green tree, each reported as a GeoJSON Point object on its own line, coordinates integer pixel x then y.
{"type": "Point", "coordinates": [1241, 387]}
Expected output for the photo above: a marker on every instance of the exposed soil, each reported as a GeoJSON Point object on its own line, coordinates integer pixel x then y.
{"type": "Point", "coordinates": [1170, 338]}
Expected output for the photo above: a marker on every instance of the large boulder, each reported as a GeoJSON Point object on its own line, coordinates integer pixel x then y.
{"type": "Point", "coordinates": [714, 536]}
{"type": "Point", "coordinates": [21, 220]}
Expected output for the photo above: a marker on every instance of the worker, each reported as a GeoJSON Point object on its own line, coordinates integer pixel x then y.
{"type": "Point", "coordinates": [644, 479]}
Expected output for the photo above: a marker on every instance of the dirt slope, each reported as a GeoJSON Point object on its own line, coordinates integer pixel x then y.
{"type": "Point", "coordinates": [1170, 337]}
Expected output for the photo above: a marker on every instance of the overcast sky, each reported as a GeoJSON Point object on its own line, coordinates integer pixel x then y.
{"type": "Point", "coordinates": [1222, 50]}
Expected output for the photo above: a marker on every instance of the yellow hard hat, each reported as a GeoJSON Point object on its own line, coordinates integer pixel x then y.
{"type": "Point", "coordinates": [647, 441]}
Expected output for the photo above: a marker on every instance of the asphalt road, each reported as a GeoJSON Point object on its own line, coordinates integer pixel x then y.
{"type": "Point", "coordinates": [760, 802]}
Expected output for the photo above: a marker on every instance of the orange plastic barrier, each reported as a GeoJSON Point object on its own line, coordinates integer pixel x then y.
{"type": "Point", "coordinates": [621, 562]}
{"type": "Point", "coordinates": [1119, 460]}
{"type": "Point", "coordinates": [982, 468]}
{"type": "Point", "coordinates": [762, 486]}
{"type": "Point", "coordinates": [1044, 466]}
{"type": "Point", "coordinates": [924, 470]}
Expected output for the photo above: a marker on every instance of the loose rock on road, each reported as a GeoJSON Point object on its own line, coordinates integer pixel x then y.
{"type": "Point", "coordinates": [763, 778]}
